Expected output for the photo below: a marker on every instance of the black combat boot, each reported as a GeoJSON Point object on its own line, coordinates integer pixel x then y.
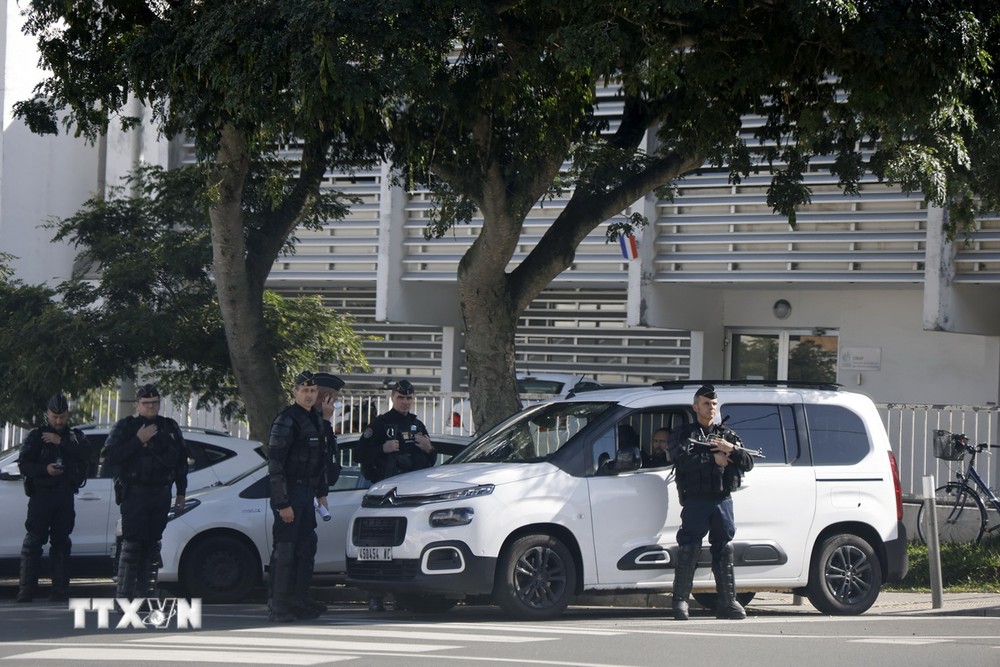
{"type": "Point", "coordinates": [687, 563]}
{"type": "Point", "coordinates": [31, 553]}
{"type": "Point", "coordinates": [59, 558]}
{"type": "Point", "coordinates": [727, 606]}
{"type": "Point", "coordinates": [128, 569]}
{"type": "Point", "coordinates": [282, 583]}
{"type": "Point", "coordinates": [148, 570]}
{"type": "Point", "coordinates": [303, 606]}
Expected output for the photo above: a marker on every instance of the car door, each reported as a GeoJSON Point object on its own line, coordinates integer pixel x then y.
{"type": "Point", "coordinates": [776, 506]}
{"type": "Point", "coordinates": [96, 511]}
{"type": "Point", "coordinates": [344, 497]}
{"type": "Point", "coordinates": [633, 514]}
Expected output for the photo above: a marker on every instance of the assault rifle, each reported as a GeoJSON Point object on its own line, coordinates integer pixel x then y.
{"type": "Point", "coordinates": [703, 441]}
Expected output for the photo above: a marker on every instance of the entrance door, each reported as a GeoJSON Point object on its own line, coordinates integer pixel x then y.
{"type": "Point", "coordinates": [790, 355]}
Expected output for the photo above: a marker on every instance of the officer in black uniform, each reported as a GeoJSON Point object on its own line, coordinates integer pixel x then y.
{"type": "Point", "coordinates": [53, 461]}
{"type": "Point", "coordinates": [706, 477]}
{"type": "Point", "coordinates": [326, 403]}
{"type": "Point", "coordinates": [148, 456]}
{"type": "Point", "coordinates": [394, 442]}
{"type": "Point", "coordinates": [297, 467]}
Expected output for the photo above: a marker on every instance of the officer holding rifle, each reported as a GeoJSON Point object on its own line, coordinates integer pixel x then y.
{"type": "Point", "coordinates": [706, 474]}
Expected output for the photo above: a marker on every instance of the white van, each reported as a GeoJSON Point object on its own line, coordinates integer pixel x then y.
{"type": "Point", "coordinates": [533, 513]}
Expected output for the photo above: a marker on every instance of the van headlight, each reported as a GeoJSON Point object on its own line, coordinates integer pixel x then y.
{"type": "Point", "coordinates": [455, 516]}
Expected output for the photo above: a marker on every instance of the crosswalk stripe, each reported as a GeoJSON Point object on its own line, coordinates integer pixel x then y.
{"type": "Point", "coordinates": [362, 632]}
{"type": "Point", "coordinates": [507, 627]}
{"type": "Point", "coordinates": [290, 643]}
{"type": "Point", "coordinates": [144, 655]}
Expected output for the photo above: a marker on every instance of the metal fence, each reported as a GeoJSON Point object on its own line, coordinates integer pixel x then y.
{"type": "Point", "coordinates": [910, 428]}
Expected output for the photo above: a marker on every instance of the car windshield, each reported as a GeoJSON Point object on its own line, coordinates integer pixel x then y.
{"type": "Point", "coordinates": [532, 435]}
{"type": "Point", "coordinates": [536, 386]}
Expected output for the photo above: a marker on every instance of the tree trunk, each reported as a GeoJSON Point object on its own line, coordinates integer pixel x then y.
{"type": "Point", "coordinates": [240, 293]}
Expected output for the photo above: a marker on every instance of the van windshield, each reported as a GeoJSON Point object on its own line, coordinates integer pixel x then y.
{"type": "Point", "coordinates": [534, 434]}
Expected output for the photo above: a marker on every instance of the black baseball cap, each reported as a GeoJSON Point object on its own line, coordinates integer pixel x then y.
{"type": "Point", "coordinates": [706, 390]}
{"type": "Point", "coordinates": [147, 391]}
{"type": "Point", "coordinates": [329, 381]}
{"type": "Point", "coordinates": [58, 404]}
{"type": "Point", "coordinates": [404, 388]}
{"type": "Point", "coordinates": [305, 379]}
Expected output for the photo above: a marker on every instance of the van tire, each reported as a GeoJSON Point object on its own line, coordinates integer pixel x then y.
{"type": "Point", "coordinates": [845, 576]}
{"type": "Point", "coordinates": [220, 569]}
{"type": "Point", "coordinates": [536, 578]}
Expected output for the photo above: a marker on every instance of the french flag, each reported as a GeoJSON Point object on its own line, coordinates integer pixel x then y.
{"type": "Point", "coordinates": [630, 247]}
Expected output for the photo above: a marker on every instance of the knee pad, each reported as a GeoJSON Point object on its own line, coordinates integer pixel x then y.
{"type": "Point", "coordinates": [131, 551]}
{"type": "Point", "coordinates": [32, 545]}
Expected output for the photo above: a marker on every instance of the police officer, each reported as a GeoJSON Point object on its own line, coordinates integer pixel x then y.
{"type": "Point", "coordinates": [706, 477]}
{"type": "Point", "coordinates": [327, 401]}
{"type": "Point", "coordinates": [297, 467]}
{"type": "Point", "coordinates": [148, 455]}
{"type": "Point", "coordinates": [53, 461]}
{"type": "Point", "coordinates": [394, 442]}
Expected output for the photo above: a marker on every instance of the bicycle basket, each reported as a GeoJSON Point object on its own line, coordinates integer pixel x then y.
{"type": "Point", "coordinates": [947, 447]}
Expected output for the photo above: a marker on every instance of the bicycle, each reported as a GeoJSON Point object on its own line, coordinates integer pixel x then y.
{"type": "Point", "coordinates": [966, 517]}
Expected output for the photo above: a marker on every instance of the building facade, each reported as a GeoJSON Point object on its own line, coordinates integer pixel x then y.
{"type": "Point", "coordinates": [865, 291]}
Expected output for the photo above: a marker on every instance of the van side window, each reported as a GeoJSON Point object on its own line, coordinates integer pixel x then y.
{"type": "Point", "coordinates": [769, 428]}
{"type": "Point", "coordinates": [837, 435]}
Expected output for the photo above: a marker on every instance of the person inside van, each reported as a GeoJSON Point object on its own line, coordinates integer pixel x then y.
{"type": "Point", "coordinates": [658, 456]}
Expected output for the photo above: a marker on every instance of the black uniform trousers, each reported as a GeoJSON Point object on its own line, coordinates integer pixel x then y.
{"type": "Point", "coordinates": [707, 514]}
{"type": "Point", "coordinates": [51, 516]}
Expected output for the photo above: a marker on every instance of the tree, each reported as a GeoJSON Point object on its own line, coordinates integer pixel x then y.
{"type": "Point", "coordinates": [148, 242]}
{"type": "Point", "coordinates": [152, 305]}
{"type": "Point", "coordinates": [903, 90]}
{"type": "Point", "coordinates": [243, 79]}
{"type": "Point", "coordinates": [41, 352]}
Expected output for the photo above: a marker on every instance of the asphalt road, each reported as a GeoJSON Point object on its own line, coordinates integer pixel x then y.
{"type": "Point", "coordinates": [43, 634]}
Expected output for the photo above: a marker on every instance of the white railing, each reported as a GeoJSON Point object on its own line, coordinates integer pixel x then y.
{"type": "Point", "coordinates": [910, 428]}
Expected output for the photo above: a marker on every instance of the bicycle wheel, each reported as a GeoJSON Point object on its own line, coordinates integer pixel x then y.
{"type": "Point", "coordinates": [961, 514]}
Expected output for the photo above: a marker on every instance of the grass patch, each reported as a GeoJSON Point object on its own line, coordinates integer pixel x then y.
{"type": "Point", "coordinates": [964, 567]}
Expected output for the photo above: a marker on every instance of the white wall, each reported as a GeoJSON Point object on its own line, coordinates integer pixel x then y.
{"type": "Point", "coordinates": [40, 177]}
{"type": "Point", "coordinates": [917, 366]}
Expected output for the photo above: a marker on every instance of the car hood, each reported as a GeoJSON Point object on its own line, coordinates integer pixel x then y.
{"type": "Point", "coordinates": [461, 476]}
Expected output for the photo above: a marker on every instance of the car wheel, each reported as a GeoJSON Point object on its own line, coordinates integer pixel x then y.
{"type": "Point", "coordinates": [220, 568]}
{"type": "Point", "coordinates": [711, 600]}
{"type": "Point", "coordinates": [845, 576]}
{"type": "Point", "coordinates": [536, 578]}
{"type": "Point", "coordinates": [424, 604]}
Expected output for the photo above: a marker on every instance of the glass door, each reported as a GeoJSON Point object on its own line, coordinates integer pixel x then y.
{"type": "Point", "coordinates": [790, 355]}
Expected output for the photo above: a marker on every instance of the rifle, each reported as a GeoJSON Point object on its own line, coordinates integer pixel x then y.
{"type": "Point", "coordinates": [703, 442]}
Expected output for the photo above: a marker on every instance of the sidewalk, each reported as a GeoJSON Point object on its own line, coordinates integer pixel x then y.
{"type": "Point", "coordinates": [888, 602]}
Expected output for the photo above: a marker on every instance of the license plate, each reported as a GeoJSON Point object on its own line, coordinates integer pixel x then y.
{"type": "Point", "coordinates": [374, 553]}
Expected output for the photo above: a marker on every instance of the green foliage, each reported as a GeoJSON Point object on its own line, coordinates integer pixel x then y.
{"type": "Point", "coordinates": [47, 348]}
{"type": "Point", "coordinates": [968, 567]}
{"type": "Point", "coordinates": [143, 296]}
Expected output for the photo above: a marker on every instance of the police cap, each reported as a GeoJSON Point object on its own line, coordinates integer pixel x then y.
{"type": "Point", "coordinates": [305, 379]}
{"type": "Point", "coordinates": [147, 391]}
{"type": "Point", "coordinates": [329, 381]}
{"type": "Point", "coordinates": [706, 390]}
{"type": "Point", "coordinates": [58, 404]}
{"type": "Point", "coordinates": [404, 388]}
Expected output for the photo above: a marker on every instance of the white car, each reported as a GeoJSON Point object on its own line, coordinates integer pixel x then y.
{"type": "Point", "coordinates": [554, 502]}
{"type": "Point", "coordinates": [214, 458]}
{"type": "Point", "coordinates": [529, 385]}
{"type": "Point", "coordinates": [217, 549]}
